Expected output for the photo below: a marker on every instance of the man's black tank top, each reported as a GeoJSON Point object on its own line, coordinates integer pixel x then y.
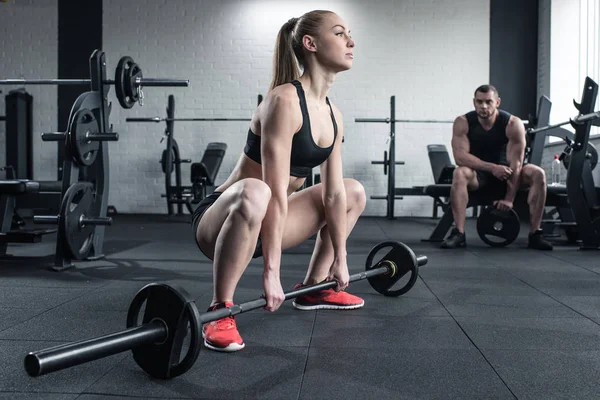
{"type": "Point", "coordinates": [489, 146]}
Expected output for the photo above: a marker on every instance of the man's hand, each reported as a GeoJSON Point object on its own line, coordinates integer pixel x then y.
{"type": "Point", "coordinates": [502, 172]}
{"type": "Point", "coordinates": [503, 205]}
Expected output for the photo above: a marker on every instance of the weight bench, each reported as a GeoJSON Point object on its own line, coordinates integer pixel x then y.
{"type": "Point", "coordinates": [443, 170]}
{"type": "Point", "coordinates": [205, 172]}
{"type": "Point", "coordinates": [9, 189]}
{"type": "Point", "coordinates": [556, 196]}
{"type": "Point", "coordinates": [476, 198]}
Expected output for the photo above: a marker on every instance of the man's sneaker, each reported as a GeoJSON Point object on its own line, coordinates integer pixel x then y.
{"type": "Point", "coordinates": [456, 239]}
{"type": "Point", "coordinates": [537, 241]}
{"type": "Point", "coordinates": [222, 334]}
{"type": "Point", "coordinates": [327, 299]}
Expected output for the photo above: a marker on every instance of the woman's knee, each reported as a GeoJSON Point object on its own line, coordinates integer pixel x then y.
{"type": "Point", "coordinates": [252, 201]}
{"type": "Point", "coordinates": [356, 196]}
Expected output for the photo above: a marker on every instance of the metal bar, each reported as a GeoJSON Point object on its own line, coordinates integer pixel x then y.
{"type": "Point", "coordinates": [424, 121]}
{"type": "Point", "coordinates": [408, 121]}
{"type": "Point", "coordinates": [45, 219]}
{"type": "Point", "coordinates": [258, 303]}
{"type": "Point", "coordinates": [45, 82]}
{"type": "Point", "coordinates": [107, 136]}
{"type": "Point", "coordinates": [155, 119]}
{"type": "Point", "coordinates": [161, 82]}
{"type": "Point", "coordinates": [392, 161]}
{"type": "Point", "coordinates": [210, 119]}
{"type": "Point", "coordinates": [386, 120]}
{"type": "Point", "coordinates": [69, 355]}
{"type": "Point", "coordinates": [158, 119]}
{"type": "Point", "coordinates": [105, 221]}
{"type": "Point", "coordinates": [139, 82]}
{"type": "Point", "coordinates": [577, 120]}
{"type": "Point", "coordinates": [53, 136]}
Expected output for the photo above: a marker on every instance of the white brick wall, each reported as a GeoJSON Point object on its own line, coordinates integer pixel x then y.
{"type": "Point", "coordinates": [431, 55]}
{"type": "Point", "coordinates": [29, 49]}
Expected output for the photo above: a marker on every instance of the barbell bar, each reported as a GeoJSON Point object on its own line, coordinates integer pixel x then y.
{"type": "Point", "coordinates": [149, 82]}
{"type": "Point", "coordinates": [158, 119]}
{"type": "Point", "coordinates": [417, 121]}
{"type": "Point", "coordinates": [595, 116]}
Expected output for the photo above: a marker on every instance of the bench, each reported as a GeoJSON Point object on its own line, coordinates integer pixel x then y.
{"type": "Point", "coordinates": [205, 172]}
{"type": "Point", "coordinates": [556, 197]}
{"type": "Point", "coordinates": [9, 189]}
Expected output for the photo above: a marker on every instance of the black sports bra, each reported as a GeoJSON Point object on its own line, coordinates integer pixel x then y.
{"type": "Point", "coordinates": [306, 154]}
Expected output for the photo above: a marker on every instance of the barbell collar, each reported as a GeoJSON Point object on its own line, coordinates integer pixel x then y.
{"type": "Point", "coordinates": [53, 136]}
{"type": "Point", "coordinates": [61, 357]}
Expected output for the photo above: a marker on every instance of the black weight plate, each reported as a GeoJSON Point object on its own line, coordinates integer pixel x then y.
{"type": "Point", "coordinates": [164, 162]}
{"type": "Point", "coordinates": [405, 262]}
{"type": "Point", "coordinates": [497, 228]}
{"type": "Point", "coordinates": [76, 204]}
{"type": "Point", "coordinates": [83, 150]}
{"type": "Point", "coordinates": [177, 310]}
{"type": "Point", "coordinates": [121, 81]}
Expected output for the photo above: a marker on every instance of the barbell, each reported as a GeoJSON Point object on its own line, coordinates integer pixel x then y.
{"type": "Point", "coordinates": [171, 316]}
{"type": "Point", "coordinates": [416, 121]}
{"type": "Point", "coordinates": [158, 119]}
{"type": "Point", "coordinates": [128, 82]}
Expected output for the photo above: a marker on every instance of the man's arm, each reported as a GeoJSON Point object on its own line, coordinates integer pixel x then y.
{"type": "Point", "coordinates": [515, 151]}
{"type": "Point", "coordinates": [461, 148]}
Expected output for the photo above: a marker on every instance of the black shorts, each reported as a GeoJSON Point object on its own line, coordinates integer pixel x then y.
{"type": "Point", "coordinates": [199, 212]}
{"type": "Point", "coordinates": [489, 183]}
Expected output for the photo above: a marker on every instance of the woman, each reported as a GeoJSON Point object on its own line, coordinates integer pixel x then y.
{"type": "Point", "coordinates": [257, 211]}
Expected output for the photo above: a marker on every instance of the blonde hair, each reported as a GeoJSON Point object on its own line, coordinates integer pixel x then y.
{"type": "Point", "coordinates": [289, 53]}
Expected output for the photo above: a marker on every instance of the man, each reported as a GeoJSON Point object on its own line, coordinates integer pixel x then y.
{"type": "Point", "coordinates": [489, 146]}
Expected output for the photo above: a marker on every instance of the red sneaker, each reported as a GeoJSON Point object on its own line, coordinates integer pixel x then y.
{"type": "Point", "coordinates": [222, 334]}
{"type": "Point", "coordinates": [327, 299]}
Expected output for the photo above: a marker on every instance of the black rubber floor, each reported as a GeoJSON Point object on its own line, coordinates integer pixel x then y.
{"type": "Point", "coordinates": [480, 323]}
